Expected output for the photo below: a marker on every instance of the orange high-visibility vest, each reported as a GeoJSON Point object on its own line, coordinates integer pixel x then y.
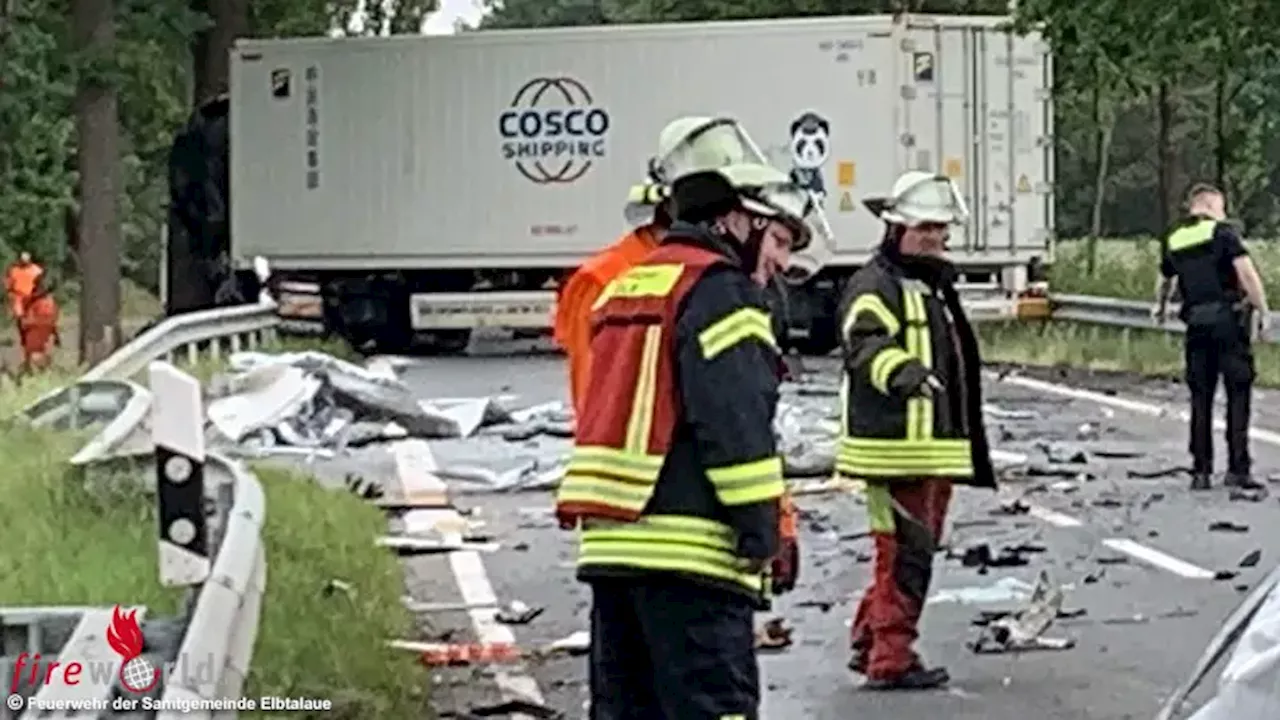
{"type": "Point", "coordinates": [629, 415]}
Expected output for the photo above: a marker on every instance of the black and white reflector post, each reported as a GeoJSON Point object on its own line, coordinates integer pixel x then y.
{"type": "Point", "coordinates": [177, 428]}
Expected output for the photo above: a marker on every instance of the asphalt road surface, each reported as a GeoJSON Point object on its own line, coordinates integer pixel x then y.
{"type": "Point", "coordinates": [1134, 553]}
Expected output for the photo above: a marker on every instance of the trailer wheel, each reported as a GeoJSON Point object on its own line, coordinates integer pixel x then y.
{"type": "Point", "coordinates": [448, 342]}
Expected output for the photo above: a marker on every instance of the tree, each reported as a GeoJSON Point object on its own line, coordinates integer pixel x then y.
{"type": "Point", "coordinates": [98, 161]}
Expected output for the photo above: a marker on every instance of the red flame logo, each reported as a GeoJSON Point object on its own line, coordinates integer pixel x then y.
{"type": "Point", "coordinates": [125, 637]}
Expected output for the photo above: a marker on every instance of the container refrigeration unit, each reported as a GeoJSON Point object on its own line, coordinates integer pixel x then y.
{"type": "Point", "coordinates": [441, 184]}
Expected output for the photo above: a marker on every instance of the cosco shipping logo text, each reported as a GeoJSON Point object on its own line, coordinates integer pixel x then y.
{"type": "Point", "coordinates": [553, 131]}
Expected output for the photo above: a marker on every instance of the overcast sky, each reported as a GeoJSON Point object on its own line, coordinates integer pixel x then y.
{"type": "Point", "coordinates": [442, 21]}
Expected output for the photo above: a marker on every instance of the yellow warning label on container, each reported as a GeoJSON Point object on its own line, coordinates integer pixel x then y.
{"type": "Point", "coordinates": [846, 174]}
{"type": "Point", "coordinates": [846, 201]}
{"type": "Point", "coordinates": [953, 168]}
{"type": "Point", "coordinates": [1024, 184]}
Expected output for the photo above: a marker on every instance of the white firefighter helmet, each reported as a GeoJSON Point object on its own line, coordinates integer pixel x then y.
{"type": "Point", "coordinates": [643, 200]}
{"type": "Point", "coordinates": [918, 198]}
{"type": "Point", "coordinates": [698, 144]}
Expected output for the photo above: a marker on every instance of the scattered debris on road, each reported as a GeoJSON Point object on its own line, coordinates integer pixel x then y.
{"type": "Point", "coordinates": [774, 635]}
{"type": "Point", "coordinates": [1024, 630]}
{"type": "Point", "coordinates": [518, 613]}
{"type": "Point", "coordinates": [1228, 526]}
{"type": "Point", "coordinates": [510, 708]}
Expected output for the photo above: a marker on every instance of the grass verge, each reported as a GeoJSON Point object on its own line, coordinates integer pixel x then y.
{"type": "Point", "coordinates": [1127, 268]}
{"type": "Point", "coordinates": [1098, 347]}
{"type": "Point", "coordinates": [62, 542]}
{"type": "Point", "coordinates": [332, 645]}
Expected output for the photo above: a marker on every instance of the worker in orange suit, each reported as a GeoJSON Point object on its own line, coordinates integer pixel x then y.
{"type": "Point", "coordinates": [20, 282]}
{"type": "Point", "coordinates": [648, 210]}
{"type": "Point", "coordinates": [38, 326]}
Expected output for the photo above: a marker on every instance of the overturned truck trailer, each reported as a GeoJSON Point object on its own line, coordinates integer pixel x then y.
{"type": "Point", "coordinates": [441, 184]}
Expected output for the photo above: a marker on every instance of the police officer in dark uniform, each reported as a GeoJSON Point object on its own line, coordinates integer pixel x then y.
{"type": "Point", "coordinates": [1224, 307]}
{"type": "Point", "coordinates": [675, 480]}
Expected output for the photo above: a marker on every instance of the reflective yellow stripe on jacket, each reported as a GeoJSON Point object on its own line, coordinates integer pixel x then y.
{"type": "Point", "coordinates": [1192, 235]}
{"type": "Point", "coordinates": [919, 453]}
{"type": "Point", "coordinates": [670, 543]}
{"type": "Point", "coordinates": [625, 478]}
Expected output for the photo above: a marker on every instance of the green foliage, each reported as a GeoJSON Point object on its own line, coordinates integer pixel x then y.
{"type": "Point", "coordinates": [151, 69]}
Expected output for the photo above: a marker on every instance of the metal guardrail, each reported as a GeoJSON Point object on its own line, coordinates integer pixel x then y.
{"type": "Point", "coordinates": [222, 625]}
{"type": "Point", "coordinates": [1118, 312]}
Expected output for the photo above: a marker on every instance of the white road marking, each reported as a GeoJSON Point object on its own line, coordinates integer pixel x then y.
{"type": "Point", "coordinates": [1262, 435]}
{"type": "Point", "coordinates": [416, 470]}
{"type": "Point", "coordinates": [1053, 517]}
{"type": "Point", "coordinates": [1159, 559]}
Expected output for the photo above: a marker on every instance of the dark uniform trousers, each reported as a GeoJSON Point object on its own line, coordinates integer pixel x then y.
{"type": "Point", "coordinates": [1221, 349]}
{"type": "Point", "coordinates": [671, 649]}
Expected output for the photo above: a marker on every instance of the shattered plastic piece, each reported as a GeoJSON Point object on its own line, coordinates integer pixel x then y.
{"type": "Point", "coordinates": [517, 613]}
{"type": "Point", "coordinates": [1228, 526]}
{"type": "Point", "coordinates": [262, 398]}
{"type": "Point", "coordinates": [1251, 560]}
{"type": "Point", "coordinates": [1087, 431]}
{"type": "Point", "coordinates": [1156, 474]}
{"type": "Point", "coordinates": [1024, 630]}
{"type": "Point", "coordinates": [412, 546]}
{"type": "Point", "coordinates": [1007, 589]}
{"type": "Point", "coordinates": [455, 654]}
{"type": "Point", "coordinates": [1226, 575]}
{"type": "Point", "coordinates": [999, 413]}
{"type": "Point", "coordinates": [774, 635]}
{"type": "Point", "coordinates": [576, 643]}
{"type": "Point", "coordinates": [335, 586]}
{"type": "Point", "coordinates": [1247, 494]}
{"type": "Point", "coordinates": [1015, 506]}
{"type": "Point", "coordinates": [515, 708]}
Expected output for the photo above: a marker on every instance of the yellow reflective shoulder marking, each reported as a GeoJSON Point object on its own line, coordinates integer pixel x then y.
{"type": "Point", "coordinates": [870, 303]}
{"type": "Point", "coordinates": [641, 281]}
{"type": "Point", "coordinates": [750, 482]}
{"type": "Point", "coordinates": [1192, 235]}
{"type": "Point", "coordinates": [738, 326]}
{"type": "Point", "coordinates": [884, 364]}
{"type": "Point", "coordinates": [640, 424]}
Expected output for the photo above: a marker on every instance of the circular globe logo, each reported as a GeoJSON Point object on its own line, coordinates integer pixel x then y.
{"type": "Point", "coordinates": [139, 675]}
{"type": "Point", "coordinates": [553, 130]}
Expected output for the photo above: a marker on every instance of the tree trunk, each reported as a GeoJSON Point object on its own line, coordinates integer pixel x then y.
{"type": "Point", "coordinates": [1220, 149]}
{"type": "Point", "coordinates": [1101, 168]}
{"type": "Point", "coordinates": [211, 49]}
{"type": "Point", "coordinates": [1164, 152]}
{"type": "Point", "coordinates": [98, 158]}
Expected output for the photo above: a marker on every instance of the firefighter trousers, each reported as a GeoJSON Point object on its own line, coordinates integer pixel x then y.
{"type": "Point", "coordinates": [906, 518]}
{"type": "Point", "coordinates": [665, 648]}
{"type": "Point", "coordinates": [1217, 351]}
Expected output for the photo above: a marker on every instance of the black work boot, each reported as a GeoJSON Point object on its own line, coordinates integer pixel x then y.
{"type": "Point", "coordinates": [1241, 481]}
{"type": "Point", "coordinates": [917, 678]}
{"type": "Point", "coordinates": [1201, 481]}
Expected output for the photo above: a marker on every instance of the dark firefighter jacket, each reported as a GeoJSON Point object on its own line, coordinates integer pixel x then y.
{"type": "Point", "coordinates": [896, 331]}
{"type": "Point", "coordinates": [675, 468]}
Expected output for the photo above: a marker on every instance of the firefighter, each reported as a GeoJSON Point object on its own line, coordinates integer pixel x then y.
{"type": "Point", "coordinates": [675, 480]}
{"type": "Point", "coordinates": [38, 326]}
{"type": "Point", "coordinates": [911, 418]}
{"type": "Point", "coordinates": [20, 282]}
{"type": "Point", "coordinates": [647, 210]}
{"type": "Point", "coordinates": [1224, 306]}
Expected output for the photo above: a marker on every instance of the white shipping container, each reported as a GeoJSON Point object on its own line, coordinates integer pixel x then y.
{"type": "Point", "coordinates": [515, 149]}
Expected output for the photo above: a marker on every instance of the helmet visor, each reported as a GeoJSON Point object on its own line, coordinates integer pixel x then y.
{"type": "Point", "coordinates": [718, 143]}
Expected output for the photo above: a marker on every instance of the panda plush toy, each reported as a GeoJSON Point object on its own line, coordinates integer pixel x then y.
{"type": "Point", "coordinates": [810, 147]}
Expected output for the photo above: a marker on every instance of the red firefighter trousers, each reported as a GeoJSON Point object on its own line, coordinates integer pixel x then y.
{"type": "Point", "coordinates": [907, 518]}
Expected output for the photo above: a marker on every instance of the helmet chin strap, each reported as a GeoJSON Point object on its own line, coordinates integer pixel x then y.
{"type": "Point", "coordinates": [748, 247]}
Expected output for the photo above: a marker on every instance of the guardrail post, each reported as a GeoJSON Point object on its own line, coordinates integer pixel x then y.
{"type": "Point", "coordinates": [177, 429]}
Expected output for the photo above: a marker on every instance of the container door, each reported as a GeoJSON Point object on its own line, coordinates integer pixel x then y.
{"type": "Point", "coordinates": [936, 117]}
{"type": "Point", "coordinates": [1016, 208]}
